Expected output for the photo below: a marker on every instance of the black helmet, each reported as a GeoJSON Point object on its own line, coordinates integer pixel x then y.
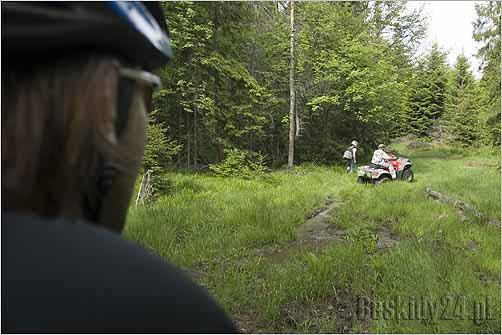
{"type": "Point", "coordinates": [38, 30]}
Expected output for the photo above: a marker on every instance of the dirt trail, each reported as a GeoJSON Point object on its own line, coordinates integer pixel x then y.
{"type": "Point", "coordinates": [319, 231]}
{"type": "Point", "coordinates": [387, 238]}
{"type": "Point", "coordinates": [318, 228]}
{"type": "Point", "coordinates": [341, 309]}
{"type": "Point", "coordinates": [313, 235]}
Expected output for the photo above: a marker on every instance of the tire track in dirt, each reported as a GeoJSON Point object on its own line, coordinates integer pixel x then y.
{"type": "Point", "coordinates": [314, 235]}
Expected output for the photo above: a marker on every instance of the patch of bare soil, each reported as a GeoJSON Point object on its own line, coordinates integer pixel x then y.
{"type": "Point", "coordinates": [349, 313]}
{"type": "Point", "coordinates": [250, 324]}
{"type": "Point", "coordinates": [387, 238]}
{"type": "Point", "coordinates": [312, 236]}
{"type": "Point", "coordinates": [338, 313]}
{"type": "Point", "coordinates": [341, 314]}
{"type": "Point", "coordinates": [317, 227]}
{"type": "Point", "coordinates": [472, 245]}
{"type": "Point", "coordinates": [315, 234]}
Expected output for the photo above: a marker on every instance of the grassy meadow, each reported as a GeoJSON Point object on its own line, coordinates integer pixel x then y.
{"type": "Point", "coordinates": [400, 262]}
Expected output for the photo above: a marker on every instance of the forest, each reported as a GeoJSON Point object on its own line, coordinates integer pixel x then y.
{"type": "Point", "coordinates": [357, 76]}
{"type": "Point", "coordinates": [243, 182]}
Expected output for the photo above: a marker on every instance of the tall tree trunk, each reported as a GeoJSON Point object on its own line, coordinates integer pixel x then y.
{"type": "Point", "coordinates": [297, 118]}
{"type": "Point", "coordinates": [292, 89]}
{"type": "Point", "coordinates": [195, 139]}
{"type": "Point", "coordinates": [180, 136]}
{"type": "Point", "coordinates": [188, 140]}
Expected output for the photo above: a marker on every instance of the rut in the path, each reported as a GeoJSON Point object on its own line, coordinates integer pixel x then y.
{"type": "Point", "coordinates": [313, 235]}
{"type": "Point", "coordinates": [318, 227]}
{"type": "Point", "coordinates": [316, 233]}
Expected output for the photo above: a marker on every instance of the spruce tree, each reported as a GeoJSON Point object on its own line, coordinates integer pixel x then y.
{"type": "Point", "coordinates": [428, 100]}
{"type": "Point", "coordinates": [463, 105]}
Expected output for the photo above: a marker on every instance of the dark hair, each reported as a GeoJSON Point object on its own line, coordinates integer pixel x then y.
{"type": "Point", "coordinates": [56, 123]}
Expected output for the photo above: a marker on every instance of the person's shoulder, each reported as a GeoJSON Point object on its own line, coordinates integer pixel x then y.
{"type": "Point", "coordinates": [71, 276]}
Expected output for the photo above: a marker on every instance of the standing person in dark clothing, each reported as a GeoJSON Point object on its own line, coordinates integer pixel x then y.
{"type": "Point", "coordinates": [76, 89]}
{"type": "Point", "coordinates": [350, 156]}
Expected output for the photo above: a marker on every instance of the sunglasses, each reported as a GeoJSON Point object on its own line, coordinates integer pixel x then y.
{"type": "Point", "coordinates": [128, 81]}
{"type": "Point", "coordinates": [144, 77]}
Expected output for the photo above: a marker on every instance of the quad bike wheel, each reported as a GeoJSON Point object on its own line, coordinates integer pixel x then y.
{"type": "Point", "coordinates": [382, 180]}
{"type": "Point", "coordinates": [361, 180]}
{"type": "Point", "coordinates": [408, 175]}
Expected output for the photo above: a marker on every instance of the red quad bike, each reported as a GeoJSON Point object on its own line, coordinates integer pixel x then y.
{"type": "Point", "coordinates": [375, 174]}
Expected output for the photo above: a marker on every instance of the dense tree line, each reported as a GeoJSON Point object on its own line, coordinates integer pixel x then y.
{"type": "Point", "coordinates": [487, 29]}
{"type": "Point", "coordinates": [357, 77]}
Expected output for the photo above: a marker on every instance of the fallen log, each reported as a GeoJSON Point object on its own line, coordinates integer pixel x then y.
{"type": "Point", "coordinates": [461, 206]}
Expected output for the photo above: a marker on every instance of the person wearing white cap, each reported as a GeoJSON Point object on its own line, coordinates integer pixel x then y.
{"type": "Point", "coordinates": [381, 158]}
{"type": "Point", "coordinates": [350, 156]}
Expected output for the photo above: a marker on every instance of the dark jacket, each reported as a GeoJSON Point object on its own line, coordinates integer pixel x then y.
{"type": "Point", "coordinates": [60, 276]}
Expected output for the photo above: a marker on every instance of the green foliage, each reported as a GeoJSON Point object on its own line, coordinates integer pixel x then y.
{"type": "Point", "coordinates": [353, 82]}
{"type": "Point", "coordinates": [159, 153]}
{"type": "Point", "coordinates": [238, 237]}
{"type": "Point", "coordinates": [487, 30]}
{"type": "Point", "coordinates": [228, 84]}
{"type": "Point", "coordinates": [240, 164]}
{"type": "Point", "coordinates": [357, 77]}
{"type": "Point", "coordinates": [159, 149]}
{"type": "Point", "coordinates": [462, 119]}
{"type": "Point", "coordinates": [428, 99]}
{"type": "Point", "coordinates": [210, 97]}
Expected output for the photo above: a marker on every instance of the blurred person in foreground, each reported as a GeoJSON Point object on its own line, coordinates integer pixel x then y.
{"type": "Point", "coordinates": [76, 91]}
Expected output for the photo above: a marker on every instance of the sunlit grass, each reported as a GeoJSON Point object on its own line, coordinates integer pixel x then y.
{"type": "Point", "coordinates": [214, 226]}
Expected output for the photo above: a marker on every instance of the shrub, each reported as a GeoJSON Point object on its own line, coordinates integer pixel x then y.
{"type": "Point", "coordinates": [159, 152]}
{"type": "Point", "coordinates": [241, 164]}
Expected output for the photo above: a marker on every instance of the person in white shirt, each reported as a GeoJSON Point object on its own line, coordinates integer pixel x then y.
{"type": "Point", "coordinates": [381, 158]}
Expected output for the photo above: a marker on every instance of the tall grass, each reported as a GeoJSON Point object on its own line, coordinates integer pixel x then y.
{"type": "Point", "coordinates": [211, 217]}
{"type": "Point", "coordinates": [214, 226]}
